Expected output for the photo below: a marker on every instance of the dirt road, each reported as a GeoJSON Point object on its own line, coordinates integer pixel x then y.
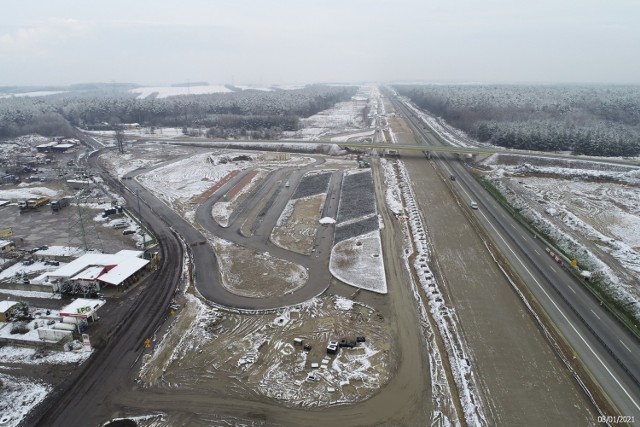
{"type": "Point", "coordinates": [516, 366]}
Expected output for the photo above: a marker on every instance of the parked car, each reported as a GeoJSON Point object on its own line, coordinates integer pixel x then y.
{"type": "Point", "coordinates": [27, 262]}
{"type": "Point", "coordinates": [125, 232]}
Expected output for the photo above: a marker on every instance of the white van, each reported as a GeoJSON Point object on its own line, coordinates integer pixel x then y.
{"type": "Point", "coordinates": [120, 224]}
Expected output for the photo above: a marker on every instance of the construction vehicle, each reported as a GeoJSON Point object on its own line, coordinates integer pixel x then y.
{"type": "Point", "coordinates": [363, 164]}
{"type": "Point", "coordinates": [36, 203]}
{"type": "Point", "coordinates": [32, 203]}
{"type": "Point", "coordinates": [56, 205]}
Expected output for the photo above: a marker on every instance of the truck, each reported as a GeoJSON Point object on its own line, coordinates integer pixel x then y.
{"type": "Point", "coordinates": [111, 211]}
{"type": "Point", "coordinates": [24, 205]}
{"type": "Point", "coordinates": [56, 205]}
{"type": "Point", "coordinates": [36, 203]}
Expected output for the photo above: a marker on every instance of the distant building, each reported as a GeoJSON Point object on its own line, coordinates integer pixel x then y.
{"type": "Point", "coordinates": [61, 148]}
{"type": "Point", "coordinates": [46, 147]}
{"type": "Point", "coordinates": [5, 306]}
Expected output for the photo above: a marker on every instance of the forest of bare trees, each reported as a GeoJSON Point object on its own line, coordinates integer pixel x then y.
{"type": "Point", "coordinates": [594, 120]}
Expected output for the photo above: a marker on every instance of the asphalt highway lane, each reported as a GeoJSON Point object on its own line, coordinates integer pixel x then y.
{"type": "Point", "coordinates": [605, 346]}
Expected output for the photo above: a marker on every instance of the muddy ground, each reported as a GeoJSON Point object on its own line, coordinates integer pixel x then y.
{"type": "Point", "coordinates": [297, 231]}
{"type": "Point", "coordinates": [516, 367]}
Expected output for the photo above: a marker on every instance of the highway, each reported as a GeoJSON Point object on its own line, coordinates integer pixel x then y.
{"type": "Point", "coordinates": [605, 347]}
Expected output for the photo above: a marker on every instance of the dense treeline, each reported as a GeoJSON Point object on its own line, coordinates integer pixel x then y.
{"type": "Point", "coordinates": [260, 112]}
{"type": "Point", "coordinates": [592, 120]}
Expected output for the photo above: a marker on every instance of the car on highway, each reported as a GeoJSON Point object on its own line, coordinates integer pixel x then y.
{"type": "Point", "coordinates": [473, 205]}
{"type": "Point", "coordinates": [452, 177]}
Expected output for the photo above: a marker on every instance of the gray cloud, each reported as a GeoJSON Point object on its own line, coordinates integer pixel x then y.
{"type": "Point", "coordinates": [251, 41]}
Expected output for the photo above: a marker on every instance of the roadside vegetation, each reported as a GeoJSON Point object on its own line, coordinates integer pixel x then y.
{"type": "Point", "coordinates": [593, 120]}
{"type": "Point", "coordinates": [620, 304]}
{"type": "Point", "coordinates": [247, 113]}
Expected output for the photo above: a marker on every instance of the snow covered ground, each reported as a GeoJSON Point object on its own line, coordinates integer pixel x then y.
{"type": "Point", "coordinates": [166, 91]}
{"type": "Point", "coordinates": [31, 94]}
{"type": "Point", "coordinates": [452, 135]}
{"type": "Point", "coordinates": [443, 315]}
{"type": "Point", "coordinates": [358, 261]}
{"type": "Point", "coordinates": [18, 397]}
{"type": "Point", "coordinates": [175, 183]}
{"type": "Point", "coordinates": [344, 118]}
{"type": "Point", "coordinates": [593, 215]}
{"type": "Point", "coordinates": [260, 349]}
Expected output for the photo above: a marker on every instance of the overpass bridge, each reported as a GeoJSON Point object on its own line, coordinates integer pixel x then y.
{"type": "Point", "coordinates": [413, 147]}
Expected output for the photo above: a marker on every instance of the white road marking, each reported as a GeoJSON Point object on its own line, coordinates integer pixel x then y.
{"type": "Point", "coordinates": [536, 251]}
{"type": "Point", "coordinates": [554, 270]}
{"type": "Point", "coordinates": [572, 290]}
{"type": "Point", "coordinates": [564, 316]}
{"type": "Point", "coordinates": [625, 346]}
{"type": "Point", "coordinates": [594, 313]}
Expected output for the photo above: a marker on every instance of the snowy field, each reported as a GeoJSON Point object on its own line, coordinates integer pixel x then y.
{"type": "Point", "coordinates": [175, 183]}
{"type": "Point", "coordinates": [166, 91]}
{"type": "Point", "coordinates": [19, 396]}
{"type": "Point", "coordinates": [592, 214]}
{"type": "Point", "coordinates": [358, 262]}
{"type": "Point", "coordinates": [30, 94]}
{"type": "Point", "coordinates": [344, 118]}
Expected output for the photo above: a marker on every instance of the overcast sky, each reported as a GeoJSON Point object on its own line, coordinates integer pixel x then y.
{"type": "Point", "coordinates": [59, 42]}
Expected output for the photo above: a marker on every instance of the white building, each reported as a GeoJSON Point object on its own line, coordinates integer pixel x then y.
{"type": "Point", "coordinates": [98, 270]}
{"type": "Point", "coordinates": [7, 246]}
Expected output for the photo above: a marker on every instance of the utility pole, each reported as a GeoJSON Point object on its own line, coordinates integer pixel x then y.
{"type": "Point", "coordinates": [120, 138]}
{"type": "Point", "coordinates": [144, 237]}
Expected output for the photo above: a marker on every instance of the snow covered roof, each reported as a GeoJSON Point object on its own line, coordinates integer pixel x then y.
{"type": "Point", "coordinates": [89, 273]}
{"type": "Point", "coordinates": [82, 307]}
{"type": "Point", "coordinates": [47, 144]}
{"type": "Point", "coordinates": [6, 305]}
{"type": "Point", "coordinates": [64, 146]}
{"type": "Point", "coordinates": [119, 273]}
{"type": "Point", "coordinates": [130, 253]}
{"type": "Point", "coordinates": [4, 243]}
{"type": "Point", "coordinates": [123, 266]}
